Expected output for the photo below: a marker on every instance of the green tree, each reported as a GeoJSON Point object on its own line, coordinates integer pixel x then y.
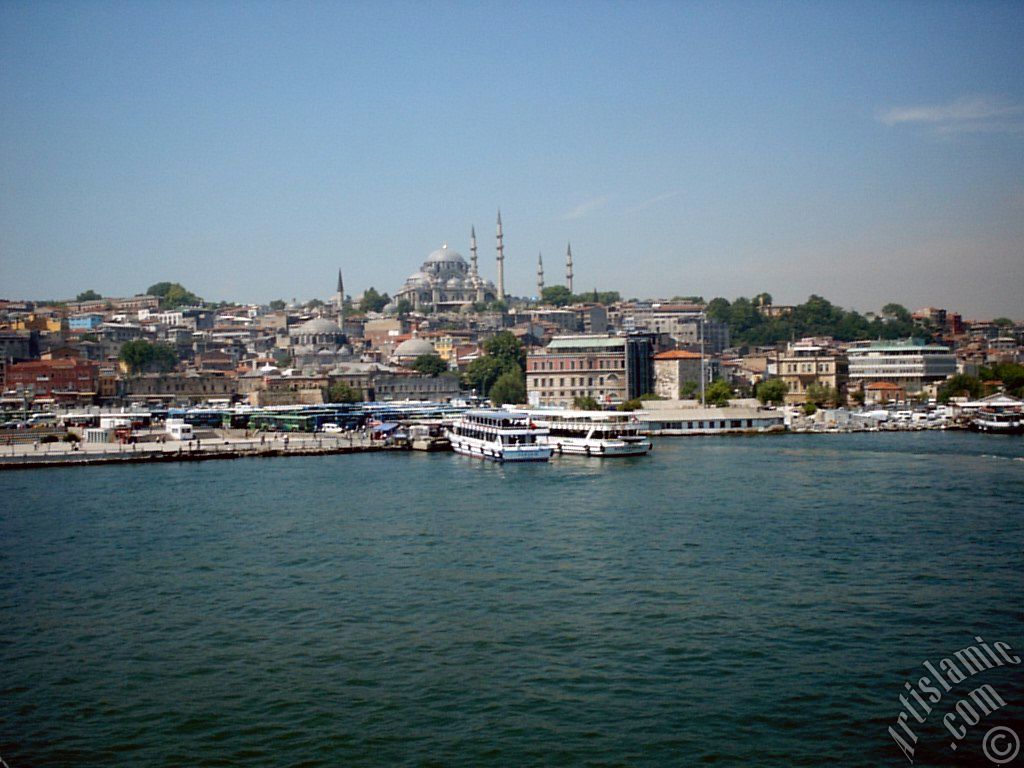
{"type": "Point", "coordinates": [340, 392]}
{"type": "Point", "coordinates": [606, 297]}
{"type": "Point", "coordinates": [718, 309]}
{"type": "Point", "coordinates": [509, 388]}
{"type": "Point", "coordinates": [505, 347]}
{"type": "Point", "coordinates": [718, 393]}
{"type": "Point", "coordinates": [89, 295]}
{"type": "Point", "coordinates": [278, 304]}
{"type": "Point", "coordinates": [810, 409]}
{"type": "Point", "coordinates": [585, 403]}
{"type": "Point", "coordinates": [502, 352]}
{"type": "Point", "coordinates": [173, 295]}
{"type": "Point", "coordinates": [897, 312]}
{"type": "Point", "coordinates": [857, 396]}
{"type": "Point", "coordinates": [631, 405]}
{"type": "Point", "coordinates": [771, 391]}
{"type": "Point", "coordinates": [404, 307]}
{"type": "Point", "coordinates": [429, 364]}
{"type": "Point", "coordinates": [821, 394]}
{"type": "Point", "coordinates": [959, 385]}
{"type": "Point", "coordinates": [481, 374]}
{"type": "Point", "coordinates": [557, 295]}
{"type": "Point", "coordinates": [314, 303]}
{"type": "Point", "coordinates": [1011, 374]}
{"type": "Point", "coordinates": [373, 301]}
{"type": "Point", "coordinates": [689, 390]}
{"type": "Point", "coordinates": [140, 356]}
{"type": "Point", "coordinates": [999, 322]}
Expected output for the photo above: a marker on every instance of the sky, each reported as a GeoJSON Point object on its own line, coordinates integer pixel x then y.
{"type": "Point", "coordinates": [866, 152]}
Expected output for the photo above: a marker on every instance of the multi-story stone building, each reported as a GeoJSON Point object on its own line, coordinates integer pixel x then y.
{"type": "Point", "coordinates": [175, 387]}
{"type": "Point", "coordinates": [66, 379]}
{"type": "Point", "coordinates": [812, 362]}
{"type": "Point", "coordinates": [609, 369]}
{"type": "Point", "coordinates": [673, 369]}
{"type": "Point", "coordinates": [686, 324]}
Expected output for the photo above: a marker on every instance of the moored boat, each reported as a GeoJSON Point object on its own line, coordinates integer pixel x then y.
{"type": "Point", "coordinates": [1003, 421]}
{"type": "Point", "coordinates": [498, 435]}
{"type": "Point", "coordinates": [428, 436]}
{"type": "Point", "coordinates": [592, 433]}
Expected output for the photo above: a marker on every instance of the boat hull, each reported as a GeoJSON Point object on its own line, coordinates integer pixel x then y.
{"type": "Point", "coordinates": [998, 428]}
{"type": "Point", "coordinates": [481, 449]}
{"type": "Point", "coordinates": [599, 448]}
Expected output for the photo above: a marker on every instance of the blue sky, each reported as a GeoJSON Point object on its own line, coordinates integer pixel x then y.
{"type": "Point", "coordinates": [867, 152]}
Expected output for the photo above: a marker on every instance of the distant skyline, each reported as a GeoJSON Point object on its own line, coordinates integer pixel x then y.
{"type": "Point", "coordinates": [865, 151]}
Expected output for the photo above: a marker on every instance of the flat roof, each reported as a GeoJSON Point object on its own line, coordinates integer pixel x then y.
{"type": "Point", "coordinates": [898, 347]}
{"type": "Point", "coordinates": [584, 342]}
{"type": "Point", "coordinates": [497, 414]}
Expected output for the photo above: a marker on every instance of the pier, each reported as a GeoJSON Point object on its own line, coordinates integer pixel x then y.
{"type": "Point", "coordinates": [36, 455]}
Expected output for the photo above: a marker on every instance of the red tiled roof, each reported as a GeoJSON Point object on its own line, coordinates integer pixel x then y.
{"type": "Point", "coordinates": [677, 354]}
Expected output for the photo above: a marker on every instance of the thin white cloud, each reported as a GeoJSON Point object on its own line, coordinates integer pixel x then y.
{"type": "Point", "coordinates": [585, 208]}
{"type": "Point", "coordinates": [654, 201]}
{"type": "Point", "coordinates": [980, 114]}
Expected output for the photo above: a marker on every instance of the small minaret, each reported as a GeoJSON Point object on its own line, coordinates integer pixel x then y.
{"type": "Point", "coordinates": [501, 262]}
{"type": "Point", "coordinates": [568, 268]}
{"type": "Point", "coordinates": [339, 298]}
{"type": "Point", "coordinates": [540, 275]}
{"type": "Point", "coordinates": [472, 251]}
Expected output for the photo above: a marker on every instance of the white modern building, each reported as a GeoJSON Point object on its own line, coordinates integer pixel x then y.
{"type": "Point", "coordinates": [906, 363]}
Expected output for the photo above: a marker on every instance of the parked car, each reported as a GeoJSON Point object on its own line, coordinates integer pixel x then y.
{"type": "Point", "coordinates": [331, 429]}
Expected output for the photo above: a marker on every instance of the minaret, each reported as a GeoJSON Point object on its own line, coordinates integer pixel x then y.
{"type": "Point", "coordinates": [568, 268]}
{"type": "Point", "coordinates": [540, 275]}
{"type": "Point", "coordinates": [501, 262]}
{"type": "Point", "coordinates": [472, 251]}
{"type": "Point", "coordinates": [339, 298]}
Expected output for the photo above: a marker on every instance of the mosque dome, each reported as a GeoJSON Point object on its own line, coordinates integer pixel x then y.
{"type": "Point", "coordinates": [318, 326]}
{"type": "Point", "coordinates": [414, 347]}
{"type": "Point", "coordinates": [443, 254]}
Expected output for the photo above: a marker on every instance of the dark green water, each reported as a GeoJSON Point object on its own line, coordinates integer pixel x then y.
{"type": "Point", "coordinates": [730, 601]}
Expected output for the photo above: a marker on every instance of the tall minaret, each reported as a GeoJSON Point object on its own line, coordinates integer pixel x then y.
{"type": "Point", "coordinates": [568, 267]}
{"type": "Point", "coordinates": [472, 251]}
{"type": "Point", "coordinates": [501, 262]}
{"type": "Point", "coordinates": [540, 275]}
{"type": "Point", "coordinates": [339, 297]}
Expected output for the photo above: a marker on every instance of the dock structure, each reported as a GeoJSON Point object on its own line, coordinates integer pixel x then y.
{"type": "Point", "coordinates": [33, 455]}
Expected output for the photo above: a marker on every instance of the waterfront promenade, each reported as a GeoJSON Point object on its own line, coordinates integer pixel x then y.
{"type": "Point", "coordinates": [29, 455]}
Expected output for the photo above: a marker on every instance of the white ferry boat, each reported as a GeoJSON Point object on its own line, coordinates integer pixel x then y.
{"type": "Point", "coordinates": [998, 421]}
{"type": "Point", "coordinates": [498, 436]}
{"type": "Point", "coordinates": [592, 433]}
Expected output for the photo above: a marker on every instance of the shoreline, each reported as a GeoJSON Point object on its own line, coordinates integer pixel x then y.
{"type": "Point", "coordinates": [220, 451]}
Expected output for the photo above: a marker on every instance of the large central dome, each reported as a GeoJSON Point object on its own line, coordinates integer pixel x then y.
{"type": "Point", "coordinates": [445, 254]}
